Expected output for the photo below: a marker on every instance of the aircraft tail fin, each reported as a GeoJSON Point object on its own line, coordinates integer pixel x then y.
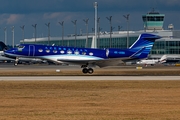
{"type": "Point", "coordinates": [163, 59]}
{"type": "Point", "coordinates": [2, 46]}
{"type": "Point", "coordinates": [144, 44]}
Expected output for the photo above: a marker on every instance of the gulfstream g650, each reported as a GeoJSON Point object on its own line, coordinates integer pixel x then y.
{"type": "Point", "coordinates": [86, 57]}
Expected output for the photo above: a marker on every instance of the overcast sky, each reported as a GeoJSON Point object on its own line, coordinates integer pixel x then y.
{"type": "Point", "coordinates": [29, 12]}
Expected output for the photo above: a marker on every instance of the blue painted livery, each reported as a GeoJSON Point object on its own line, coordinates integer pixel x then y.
{"type": "Point", "coordinates": [86, 56]}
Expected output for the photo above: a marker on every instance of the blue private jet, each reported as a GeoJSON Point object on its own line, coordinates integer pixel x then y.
{"type": "Point", "coordinates": [86, 57]}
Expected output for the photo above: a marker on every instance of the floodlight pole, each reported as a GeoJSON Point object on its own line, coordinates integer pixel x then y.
{"type": "Point", "coordinates": [13, 36]}
{"type": "Point", "coordinates": [110, 18]}
{"type": "Point", "coordinates": [5, 36]}
{"type": "Point", "coordinates": [75, 27]}
{"type": "Point", "coordinates": [98, 24]}
{"type": "Point", "coordinates": [127, 19]}
{"type": "Point", "coordinates": [22, 27]}
{"type": "Point", "coordinates": [95, 24]}
{"type": "Point", "coordinates": [48, 25]}
{"type": "Point", "coordinates": [119, 28]}
{"type": "Point", "coordinates": [35, 31]}
{"type": "Point", "coordinates": [86, 23]}
{"type": "Point", "coordinates": [62, 24]}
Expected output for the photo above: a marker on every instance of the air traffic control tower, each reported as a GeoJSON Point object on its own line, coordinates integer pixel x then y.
{"type": "Point", "coordinates": [153, 20]}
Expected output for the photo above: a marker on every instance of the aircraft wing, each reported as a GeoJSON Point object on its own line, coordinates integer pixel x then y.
{"type": "Point", "coordinates": [110, 62]}
{"type": "Point", "coordinates": [100, 63]}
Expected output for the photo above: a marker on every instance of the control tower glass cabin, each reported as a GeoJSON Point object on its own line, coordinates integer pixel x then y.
{"type": "Point", "coordinates": [153, 21]}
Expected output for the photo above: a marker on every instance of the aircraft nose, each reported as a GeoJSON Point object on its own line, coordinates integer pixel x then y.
{"type": "Point", "coordinates": [9, 51]}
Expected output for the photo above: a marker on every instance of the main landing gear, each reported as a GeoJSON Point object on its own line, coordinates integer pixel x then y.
{"type": "Point", "coordinates": [86, 69]}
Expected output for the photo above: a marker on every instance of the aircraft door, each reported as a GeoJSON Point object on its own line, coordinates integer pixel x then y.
{"type": "Point", "coordinates": [107, 52]}
{"type": "Point", "coordinates": [31, 50]}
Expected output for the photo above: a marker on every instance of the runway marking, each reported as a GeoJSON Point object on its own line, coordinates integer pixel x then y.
{"type": "Point", "coordinates": [49, 78]}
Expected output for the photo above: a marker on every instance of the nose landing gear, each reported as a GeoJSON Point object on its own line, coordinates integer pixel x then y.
{"type": "Point", "coordinates": [16, 61]}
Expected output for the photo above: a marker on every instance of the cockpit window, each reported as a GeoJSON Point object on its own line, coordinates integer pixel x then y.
{"type": "Point", "coordinates": [21, 46]}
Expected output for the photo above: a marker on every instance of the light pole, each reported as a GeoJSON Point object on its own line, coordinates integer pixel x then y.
{"type": "Point", "coordinates": [13, 36]}
{"type": "Point", "coordinates": [119, 28]}
{"type": "Point", "coordinates": [48, 25]}
{"type": "Point", "coordinates": [5, 36]}
{"type": "Point", "coordinates": [95, 23]}
{"type": "Point", "coordinates": [98, 24]}
{"type": "Point", "coordinates": [62, 24]}
{"type": "Point", "coordinates": [22, 27]}
{"type": "Point", "coordinates": [75, 28]}
{"type": "Point", "coordinates": [34, 31]}
{"type": "Point", "coordinates": [110, 18]}
{"type": "Point", "coordinates": [127, 19]}
{"type": "Point", "coordinates": [86, 23]}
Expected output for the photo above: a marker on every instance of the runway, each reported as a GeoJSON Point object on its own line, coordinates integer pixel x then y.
{"type": "Point", "coordinates": [86, 78]}
{"type": "Point", "coordinates": [29, 70]}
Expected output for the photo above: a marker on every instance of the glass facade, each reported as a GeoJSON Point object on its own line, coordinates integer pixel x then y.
{"type": "Point", "coordinates": [117, 42]}
{"type": "Point", "coordinates": [153, 18]}
{"type": "Point", "coordinates": [166, 47]}
{"type": "Point", "coordinates": [153, 21]}
{"type": "Point", "coordinates": [68, 42]}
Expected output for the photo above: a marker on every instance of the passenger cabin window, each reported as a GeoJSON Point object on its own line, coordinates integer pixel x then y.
{"type": "Point", "coordinates": [54, 51]}
{"type": "Point", "coordinates": [47, 51]}
{"type": "Point", "coordinates": [40, 50]}
{"type": "Point", "coordinates": [69, 52]}
{"type": "Point", "coordinates": [62, 51]}
{"type": "Point", "coordinates": [76, 52]}
{"type": "Point", "coordinates": [91, 53]}
{"type": "Point", "coordinates": [83, 53]}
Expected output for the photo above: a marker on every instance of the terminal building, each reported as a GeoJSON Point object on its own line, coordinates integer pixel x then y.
{"type": "Point", "coordinates": [153, 21]}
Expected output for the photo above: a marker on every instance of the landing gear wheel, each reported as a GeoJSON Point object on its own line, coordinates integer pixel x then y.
{"type": "Point", "coordinates": [85, 70]}
{"type": "Point", "coordinates": [15, 63]}
{"type": "Point", "coordinates": [90, 70]}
